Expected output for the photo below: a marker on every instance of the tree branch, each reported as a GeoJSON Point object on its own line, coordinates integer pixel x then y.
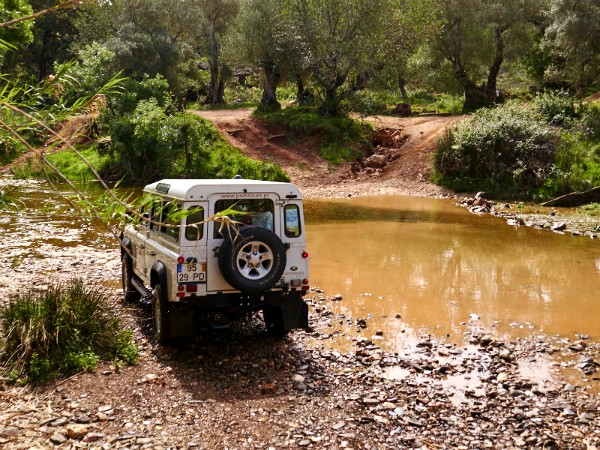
{"type": "Point", "coordinates": [61, 6]}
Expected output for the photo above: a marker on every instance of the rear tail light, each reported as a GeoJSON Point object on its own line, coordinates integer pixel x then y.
{"type": "Point", "coordinates": [305, 254]}
{"type": "Point", "coordinates": [192, 288]}
{"type": "Point", "coordinates": [180, 260]}
{"type": "Point", "coordinates": [305, 286]}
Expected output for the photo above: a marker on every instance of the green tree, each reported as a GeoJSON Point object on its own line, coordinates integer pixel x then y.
{"type": "Point", "coordinates": [217, 17]}
{"type": "Point", "coordinates": [573, 40]}
{"type": "Point", "coordinates": [407, 24]}
{"type": "Point", "coordinates": [148, 37]}
{"type": "Point", "coordinates": [19, 33]}
{"type": "Point", "coordinates": [336, 37]}
{"type": "Point", "coordinates": [476, 38]}
{"type": "Point", "coordinates": [262, 39]}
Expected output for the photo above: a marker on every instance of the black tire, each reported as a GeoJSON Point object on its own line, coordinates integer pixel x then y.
{"type": "Point", "coordinates": [129, 292]}
{"type": "Point", "coordinates": [160, 316]}
{"type": "Point", "coordinates": [273, 317]}
{"type": "Point", "coordinates": [252, 260]}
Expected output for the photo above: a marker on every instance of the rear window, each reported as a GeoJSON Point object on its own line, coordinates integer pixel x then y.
{"type": "Point", "coordinates": [256, 212]}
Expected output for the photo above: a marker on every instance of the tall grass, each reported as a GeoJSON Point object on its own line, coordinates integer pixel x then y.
{"type": "Point", "coordinates": [62, 330]}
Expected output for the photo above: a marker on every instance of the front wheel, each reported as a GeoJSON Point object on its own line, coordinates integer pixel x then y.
{"type": "Point", "coordinates": [129, 292]}
{"type": "Point", "coordinates": [160, 316]}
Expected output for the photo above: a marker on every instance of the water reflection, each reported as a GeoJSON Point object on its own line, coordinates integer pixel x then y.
{"type": "Point", "coordinates": [435, 264]}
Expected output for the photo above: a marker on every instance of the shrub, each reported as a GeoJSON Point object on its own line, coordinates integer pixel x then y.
{"type": "Point", "coordinates": [342, 138]}
{"type": "Point", "coordinates": [503, 149]}
{"type": "Point", "coordinates": [556, 107]}
{"type": "Point", "coordinates": [62, 330]}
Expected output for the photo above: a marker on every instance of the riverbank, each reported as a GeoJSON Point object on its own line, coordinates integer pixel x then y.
{"type": "Point", "coordinates": [243, 389]}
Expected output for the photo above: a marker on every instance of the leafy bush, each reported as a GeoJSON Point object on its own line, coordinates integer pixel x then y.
{"type": "Point", "coordinates": [556, 107]}
{"type": "Point", "coordinates": [92, 70]}
{"type": "Point", "coordinates": [151, 139]}
{"type": "Point", "coordinates": [342, 138]}
{"type": "Point", "coordinates": [590, 122]}
{"type": "Point", "coordinates": [506, 149]}
{"type": "Point", "coordinates": [63, 330]}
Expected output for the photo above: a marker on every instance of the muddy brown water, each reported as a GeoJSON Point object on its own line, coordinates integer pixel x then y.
{"type": "Point", "coordinates": [415, 266]}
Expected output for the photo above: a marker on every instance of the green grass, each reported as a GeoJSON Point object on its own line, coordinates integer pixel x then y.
{"type": "Point", "coordinates": [341, 138]}
{"type": "Point", "coordinates": [62, 330]}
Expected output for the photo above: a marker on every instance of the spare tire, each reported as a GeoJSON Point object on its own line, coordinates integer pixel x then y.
{"type": "Point", "coordinates": [252, 259]}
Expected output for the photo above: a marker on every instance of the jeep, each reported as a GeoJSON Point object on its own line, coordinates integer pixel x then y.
{"type": "Point", "coordinates": [240, 248]}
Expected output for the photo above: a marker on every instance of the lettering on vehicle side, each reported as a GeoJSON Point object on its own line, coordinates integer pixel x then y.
{"type": "Point", "coordinates": [248, 195]}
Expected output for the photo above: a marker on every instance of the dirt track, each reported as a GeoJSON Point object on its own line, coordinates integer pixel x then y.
{"type": "Point", "coordinates": [408, 175]}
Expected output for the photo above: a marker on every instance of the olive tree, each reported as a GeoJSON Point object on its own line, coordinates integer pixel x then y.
{"type": "Point", "coordinates": [335, 37]}
{"type": "Point", "coordinates": [573, 40]}
{"type": "Point", "coordinates": [216, 18]}
{"type": "Point", "coordinates": [262, 39]}
{"type": "Point", "coordinates": [476, 37]}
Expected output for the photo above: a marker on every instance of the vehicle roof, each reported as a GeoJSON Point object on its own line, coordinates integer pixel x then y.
{"type": "Point", "coordinates": [201, 189]}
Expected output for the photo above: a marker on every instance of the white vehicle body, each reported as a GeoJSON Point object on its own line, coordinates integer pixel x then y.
{"type": "Point", "coordinates": [256, 261]}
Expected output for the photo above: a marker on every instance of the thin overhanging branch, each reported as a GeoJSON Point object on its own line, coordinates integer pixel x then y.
{"type": "Point", "coordinates": [60, 7]}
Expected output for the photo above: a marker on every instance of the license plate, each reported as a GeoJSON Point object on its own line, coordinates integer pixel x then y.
{"type": "Point", "coordinates": [190, 273]}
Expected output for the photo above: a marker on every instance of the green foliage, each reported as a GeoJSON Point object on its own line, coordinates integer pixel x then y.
{"type": "Point", "coordinates": [557, 107]}
{"type": "Point", "coordinates": [590, 210]}
{"type": "Point", "coordinates": [62, 330]}
{"type": "Point", "coordinates": [89, 73]}
{"type": "Point", "coordinates": [342, 138]}
{"type": "Point", "coordinates": [151, 139]}
{"type": "Point", "coordinates": [504, 150]}
{"type": "Point", "coordinates": [576, 167]}
{"type": "Point", "coordinates": [73, 167]}
{"type": "Point", "coordinates": [8, 201]}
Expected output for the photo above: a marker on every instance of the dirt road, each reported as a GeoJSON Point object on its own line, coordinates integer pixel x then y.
{"type": "Point", "coordinates": [409, 174]}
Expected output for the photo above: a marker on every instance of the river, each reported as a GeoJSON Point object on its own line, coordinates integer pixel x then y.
{"type": "Point", "coordinates": [419, 265]}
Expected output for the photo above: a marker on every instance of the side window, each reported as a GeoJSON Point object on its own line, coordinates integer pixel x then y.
{"type": "Point", "coordinates": [194, 230]}
{"type": "Point", "coordinates": [169, 226]}
{"type": "Point", "coordinates": [292, 221]}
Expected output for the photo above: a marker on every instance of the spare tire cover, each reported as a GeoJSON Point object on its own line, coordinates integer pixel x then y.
{"type": "Point", "coordinates": [252, 259]}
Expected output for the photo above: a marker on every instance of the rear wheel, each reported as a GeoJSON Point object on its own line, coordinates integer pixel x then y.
{"type": "Point", "coordinates": [129, 292]}
{"type": "Point", "coordinates": [160, 316]}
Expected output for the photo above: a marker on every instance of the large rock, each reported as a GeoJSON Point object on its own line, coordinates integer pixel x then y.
{"type": "Point", "coordinates": [576, 198]}
{"type": "Point", "coordinates": [403, 109]}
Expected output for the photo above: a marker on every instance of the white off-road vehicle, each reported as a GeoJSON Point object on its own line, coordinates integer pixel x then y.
{"type": "Point", "coordinates": [252, 259]}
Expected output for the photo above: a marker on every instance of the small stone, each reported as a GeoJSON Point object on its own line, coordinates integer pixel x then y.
{"type": "Point", "coordinates": [93, 437]}
{"type": "Point", "coordinates": [77, 431]}
{"type": "Point", "coordinates": [61, 421]}
{"type": "Point", "coordinates": [338, 425]}
{"type": "Point", "coordinates": [304, 443]}
{"type": "Point", "coordinates": [58, 439]}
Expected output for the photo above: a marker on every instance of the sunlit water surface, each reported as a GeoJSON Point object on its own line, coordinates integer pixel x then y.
{"type": "Point", "coordinates": [418, 265]}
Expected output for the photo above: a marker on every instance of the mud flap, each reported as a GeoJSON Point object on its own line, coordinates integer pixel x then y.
{"type": "Point", "coordinates": [181, 321]}
{"type": "Point", "coordinates": [294, 313]}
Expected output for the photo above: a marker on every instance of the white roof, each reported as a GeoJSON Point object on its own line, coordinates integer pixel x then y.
{"type": "Point", "coordinates": [201, 189]}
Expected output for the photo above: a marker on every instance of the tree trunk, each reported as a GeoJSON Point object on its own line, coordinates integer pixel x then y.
{"type": "Point", "coordinates": [303, 96]}
{"type": "Point", "coordinates": [269, 97]}
{"type": "Point", "coordinates": [213, 97]}
{"type": "Point", "coordinates": [331, 103]}
{"type": "Point", "coordinates": [402, 87]}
